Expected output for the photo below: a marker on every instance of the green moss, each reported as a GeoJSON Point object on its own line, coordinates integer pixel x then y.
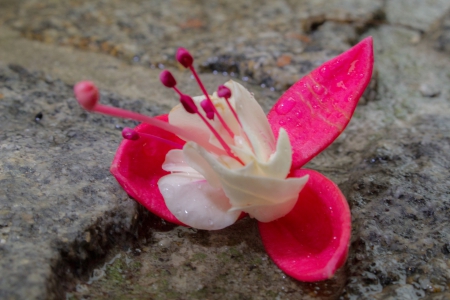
{"type": "Point", "coordinates": [114, 271]}
{"type": "Point", "coordinates": [271, 294]}
{"type": "Point", "coordinates": [199, 256]}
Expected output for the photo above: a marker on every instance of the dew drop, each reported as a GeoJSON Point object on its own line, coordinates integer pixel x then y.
{"type": "Point", "coordinates": [323, 70]}
{"type": "Point", "coordinates": [334, 237]}
{"type": "Point", "coordinates": [286, 106]}
{"type": "Point", "coordinates": [350, 99]}
{"type": "Point", "coordinates": [318, 89]}
{"type": "Point", "coordinates": [282, 122]}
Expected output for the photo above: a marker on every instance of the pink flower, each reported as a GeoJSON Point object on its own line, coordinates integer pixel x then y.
{"type": "Point", "coordinates": [215, 158]}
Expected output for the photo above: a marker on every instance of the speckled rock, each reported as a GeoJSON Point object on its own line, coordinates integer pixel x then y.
{"type": "Point", "coordinates": [417, 14]}
{"type": "Point", "coordinates": [399, 196]}
{"type": "Point", "coordinates": [58, 198]}
{"type": "Point", "coordinates": [258, 41]}
{"type": "Point", "coordinates": [441, 34]}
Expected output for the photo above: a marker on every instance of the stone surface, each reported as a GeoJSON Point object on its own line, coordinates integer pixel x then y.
{"type": "Point", "coordinates": [267, 30]}
{"type": "Point", "coordinates": [440, 36]}
{"type": "Point", "coordinates": [68, 230]}
{"type": "Point", "coordinates": [417, 14]}
{"type": "Point", "coordinates": [399, 195]}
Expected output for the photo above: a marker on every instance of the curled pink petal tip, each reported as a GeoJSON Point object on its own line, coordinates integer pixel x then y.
{"type": "Point", "coordinates": [223, 92]}
{"type": "Point", "coordinates": [184, 57]}
{"type": "Point", "coordinates": [86, 94]}
{"type": "Point", "coordinates": [167, 79]}
{"type": "Point", "coordinates": [130, 134]}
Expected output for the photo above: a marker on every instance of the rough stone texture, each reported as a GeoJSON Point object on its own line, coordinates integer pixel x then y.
{"type": "Point", "coordinates": [399, 195]}
{"type": "Point", "coordinates": [56, 200]}
{"type": "Point", "coordinates": [68, 230]}
{"type": "Point", "coordinates": [271, 34]}
{"type": "Point", "coordinates": [416, 14]}
{"type": "Point", "coordinates": [441, 34]}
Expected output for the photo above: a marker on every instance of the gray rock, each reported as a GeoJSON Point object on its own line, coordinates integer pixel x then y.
{"type": "Point", "coordinates": [440, 36]}
{"type": "Point", "coordinates": [249, 40]}
{"type": "Point", "coordinates": [417, 14]}
{"type": "Point", "coordinates": [401, 214]}
{"type": "Point", "coordinates": [59, 206]}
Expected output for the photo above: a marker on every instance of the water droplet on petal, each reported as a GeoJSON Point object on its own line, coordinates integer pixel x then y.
{"type": "Point", "coordinates": [285, 106]}
{"type": "Point", "coordinates": [282, 122]}
{"type": "Point", "coordinates": [318, 89]}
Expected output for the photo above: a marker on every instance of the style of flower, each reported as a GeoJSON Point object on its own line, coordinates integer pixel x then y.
{"type": "Point", "coordinates": [217, 157]}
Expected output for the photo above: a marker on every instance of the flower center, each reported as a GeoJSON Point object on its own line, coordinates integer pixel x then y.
{"type": "Point", "coordinates": [87, 95]}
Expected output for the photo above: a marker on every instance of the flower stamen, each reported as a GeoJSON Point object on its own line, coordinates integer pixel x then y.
{"type": "Point", "coordinates": [185, 58]}
{"type": "Point", "coordinates": [133, 135]}
{"type": "Point", "coordinates": [224, 92]}
{"type": "Point", "coordinates": [190, 107]}
{"type": "Point", "coordinates": [188, 103]}
{"type": "Point", "coordinates": [87, 96]}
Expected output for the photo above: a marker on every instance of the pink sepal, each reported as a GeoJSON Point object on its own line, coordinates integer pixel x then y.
{"type": "Point", "coordinates": [311, 242]}
{"type": "Point", "coordinates": [137, 168]}
{"type": "Point", "coordinates": [316, 109]}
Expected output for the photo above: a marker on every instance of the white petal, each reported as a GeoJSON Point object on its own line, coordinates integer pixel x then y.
{"type": "Point", "coordinates": [178, 116]}
{"type": "Point", "coordinates": [195, 203]}
{"type": "Point", "coordinates": [249, 191]}
{"type": "Point", "coordinates": [175, 162]}
{"type": "Point", "coordinates": [246, 190]}
{"type": "Point", "coordinates": [194, 159]}
{"type": "Point", "coordinates": [269, 213]}
{"type": "Point", "coordinates": [253, 120]}
{"type": "Point", "coordinates": [279, 163]}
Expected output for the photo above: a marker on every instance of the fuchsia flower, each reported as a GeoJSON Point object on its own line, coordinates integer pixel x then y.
{"type": "Point", "coordinates": [215, 158]}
